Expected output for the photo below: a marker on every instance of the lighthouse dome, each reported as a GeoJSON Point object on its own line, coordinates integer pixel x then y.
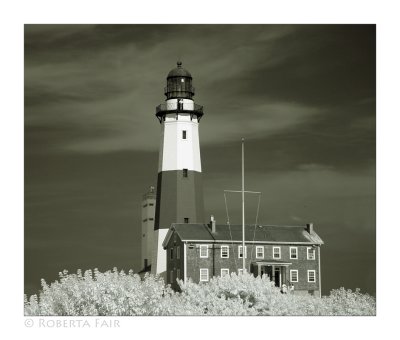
{"type": "Point", "coordinates": [179, 83]}
{"type": "Point", "coordinates": [179, 71]}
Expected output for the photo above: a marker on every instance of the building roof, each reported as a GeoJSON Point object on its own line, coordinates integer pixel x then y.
{"type": "Point", "coordinates": [179, 71]}
{"type": "Point", "coordinates": [261, 234]}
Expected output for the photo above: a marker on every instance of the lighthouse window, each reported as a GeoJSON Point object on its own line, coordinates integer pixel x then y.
{"type": "Point", "coordinates": [184, 134]}
{"type": "Point", "coordinates": [185, 172]}
{"type": "Point", "coordinates": [186, 220]}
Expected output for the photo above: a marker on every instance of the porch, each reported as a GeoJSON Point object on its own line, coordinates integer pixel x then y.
{"type": "Point", "coordinates": [277, 271]}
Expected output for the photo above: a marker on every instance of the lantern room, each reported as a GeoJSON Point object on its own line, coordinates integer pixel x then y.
{"type": "Point", "coordinates": [179, 83]}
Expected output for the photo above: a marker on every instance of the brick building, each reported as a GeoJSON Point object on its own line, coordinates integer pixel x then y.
{"type": "Point", "coordinates": [287, 254]}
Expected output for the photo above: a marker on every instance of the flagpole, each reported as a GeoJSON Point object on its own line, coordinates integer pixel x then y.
{"type": "Point", "coordinates": [243, 244]}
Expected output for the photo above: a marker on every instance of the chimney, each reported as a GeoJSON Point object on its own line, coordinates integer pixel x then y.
{"type": "Point", "coordinates": [213, 224]}
{"type": "Point", "coordinates": [310, 228]}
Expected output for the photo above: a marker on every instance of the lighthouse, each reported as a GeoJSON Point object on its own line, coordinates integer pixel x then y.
{"type": "Point", "coordinates": [179, 183]}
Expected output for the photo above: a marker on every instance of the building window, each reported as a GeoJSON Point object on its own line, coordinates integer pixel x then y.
{"type": "Point", "coordinates": [178, 274]}
{"type": "Point", "coordinates": [204, 251]}
{"type": "Point", "coordinates": [178, 252]}
{"type": "Point", "coordinates": [184, 134]}
{"type": "Point", "coordinates": [224, 252]}
{"type": "Point", "coordinates": [171, 276]}
{"type": "Point", "coordinates": [294, 275]}
{"type": "Point", "coordinates": [186, 220]}
{"type": "Point", "coordinates": [151, 204]}
{"type": "Point", "coordinates": [293, 253]}
{"type": "Point", "coordinates": [240, 252]}
{"type": "Point", "coordinates": [311, 275]}
{"type": "Point", "coordinates": [145, 206]}
{"type": "Point", "coordinates": [224, 272]}
{"type": "Point", "coordinates": [276, 252]}
{"type": "Point", "coordinates": [259, 252]}
{"type": "Point", "coordinates": [151, 219]}
{"type": "Point", "coordinates": [171, 253]}
{"type": "Point", "coordinates": [310, 253]}
{"type": "Point", "coordinates": [203, 274]}
{"type": "Point", "coordinates": [185, 173]}
{"type": "Point", "coordinates": [240, 271]}
{"type": "Point", "coordinates": [145, 220]}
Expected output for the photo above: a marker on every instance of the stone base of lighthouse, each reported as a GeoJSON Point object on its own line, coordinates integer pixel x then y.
{"type": "Point", "coordinates": [179, 199]}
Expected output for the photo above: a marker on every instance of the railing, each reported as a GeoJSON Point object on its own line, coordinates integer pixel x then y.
{"type": "Point", "coordinates": [180, 107]}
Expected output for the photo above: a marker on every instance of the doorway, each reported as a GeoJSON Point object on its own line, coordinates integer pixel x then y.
{"type": "Point", "coordinates": [274, 274]}
{"type": "Point", "coordinates": [277, 276]}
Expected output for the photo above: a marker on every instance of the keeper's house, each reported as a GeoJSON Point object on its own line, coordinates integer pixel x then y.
{"type": "Point", "coordinates": [287, 254]}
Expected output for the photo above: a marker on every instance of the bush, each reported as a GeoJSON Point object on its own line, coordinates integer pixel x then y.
{"type": "Point", "coordinates": [116, 293]}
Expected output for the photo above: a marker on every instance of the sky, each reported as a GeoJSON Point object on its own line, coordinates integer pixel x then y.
{"type": "Point", "coordinates": [302, 96]}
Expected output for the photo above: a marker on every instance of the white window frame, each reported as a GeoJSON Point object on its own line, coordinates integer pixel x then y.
{"type": "Point", "coordinates": [290, 253]}
{"type": "Point", "coordinates": [227, 256]}
{"type": "Point", "coordinates": [308, 276]}
{"type": "Point", "coordinates": [205, 272]}
{"type": "Point", "coordinates": [202, 246]}
{"type": "Point", "coordinates": [262, 250]}
{"type": "Point", "coordinates": [178, 252]}
{"type": "Point", "coordinates": [178, 274]}
{"type": "Point", "coordinates": [224, 272]}
{"type": "Point", "coordinates": [291, 275]}
{"type": "Point", "coordinates": [308, 256]}
{"type": "Point", "coordinates": [273, 252]}
{"type": "Point", "coordinates": [245, 252]}
{"type": "Point", "coordinates": [240, 271]}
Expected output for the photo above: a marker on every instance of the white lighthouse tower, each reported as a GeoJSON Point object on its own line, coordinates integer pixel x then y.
{"type": "Point", "coordinates": [179, 184]}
